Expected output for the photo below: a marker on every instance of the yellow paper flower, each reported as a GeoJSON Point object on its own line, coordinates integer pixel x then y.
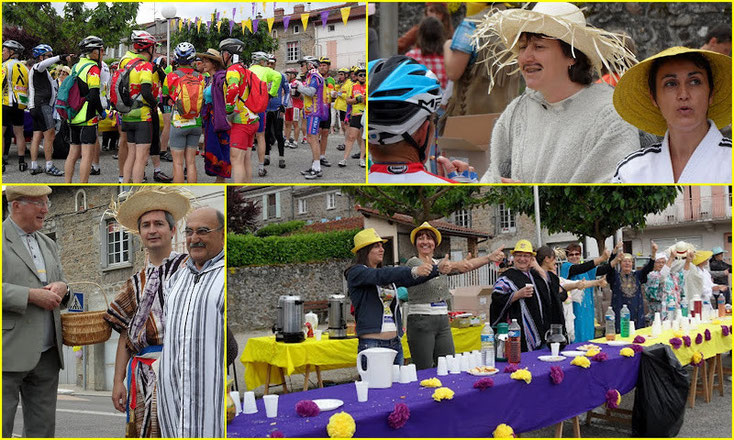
{"type": "Point", "coordinates": [341, 425]}
{"type": "Point", "coordinates": [678, 334]}
{"type": "Point", "coordinates": [592, 352]}
{"type": "Point", "coordinates": [697, 356]}
{"type": "Point", "coordinates": [581, 361]}
{"type": "Point", "coordinates": [522, 374]}
{"type": "Point", "coordinates": [627, 352]}
{"type": "Point", "coordinates": [503, 431]}
{"type": "Point", "coordinates": [442, 393]}
{"type": "Point", "coordinates": [431, 383]}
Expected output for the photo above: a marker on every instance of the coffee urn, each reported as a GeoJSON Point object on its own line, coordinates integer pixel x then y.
{"type": "Point", "coordinates": [337, 317]}
{"type": "Point", "coordinates": [289, 321]}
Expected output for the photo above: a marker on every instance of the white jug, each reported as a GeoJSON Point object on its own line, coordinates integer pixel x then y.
{"type": "Point", "coordinates": [379, 366]}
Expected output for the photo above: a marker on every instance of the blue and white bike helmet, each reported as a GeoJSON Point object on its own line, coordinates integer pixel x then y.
{"type": "Point", "coordinates": [40, 50]}
{"type": "Point", "coordinates": [185, 53]}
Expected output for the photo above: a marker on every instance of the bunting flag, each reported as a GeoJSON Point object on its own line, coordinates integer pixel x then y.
{"type": "Point", "coordinates": [304, 20]}
{"type": "Point", "coordinates": [198, 25]}
{"type": "Point", "coordinates": [254, 25]}
{"type": "Point", "coordinates": [248, 24]}
{"type": "Point", "coordinates": [253, 8]}
{"type": "Point", "coordinates": [219, 26]}
{"type": "Point", "coordinates": [231, 25]}
{"type": "Point", "coordinates": [345, 14]}
{"type": "Point", "coordinates": [218, 15]}
{"type": "Point", "coordinates": [286, 22]}
{"type": "Point", "coordinates": [234, 11]}
{"type": "Point", "coordinates": [271, 20]}
{"type": "Point", "coordinates": [324, 18]}
{"type": "Point", "coordinates": [264, 3]}
{"type": "Point", "coordinates": [180, 25]}
{"type": "Point", "coordinates": [242, 23]}
{"type": "Point", "coordinates": [208, 25]}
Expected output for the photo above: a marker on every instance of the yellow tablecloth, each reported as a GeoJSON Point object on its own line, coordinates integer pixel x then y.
{"type": "Point", "coordinates": [260, 353]}
{"type": "Point", "coordinates": [718, 343]}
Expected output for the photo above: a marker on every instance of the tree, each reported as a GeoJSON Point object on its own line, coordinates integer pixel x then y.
{"type": "Point", "coordinates": [423, 203]}
{"type": "Point", "coordinates": [204, 39]}
{"type": "Point", "coordinates": [593, 211]}
{"type": "Point", "coordinates": [22, 37]}
{"type": "Point", "coordinates": [242, 214]}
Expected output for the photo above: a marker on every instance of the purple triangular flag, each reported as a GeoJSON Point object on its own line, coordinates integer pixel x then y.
{"type": "Point", "coordinates": [324, 17]}
{"type": "Point", "coordinates": [254, 25]}
{"type": "Point", "coordinates": [218, 15]}
{"type": "Point", "coordinates": [208, 25]}
{"type": "Point", "coordinates": [234, 11]}
{"type": "Point", "coordinates": [286, 22]}
{"type": "Point", "coordinates": [231, 25]}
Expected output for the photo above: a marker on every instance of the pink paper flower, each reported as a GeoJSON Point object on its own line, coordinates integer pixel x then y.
{"type": "Point", "coordinates": [399, 416]}
{"type": "Point", "coordinates": [687, 340]}
{"type": "Point", "coordinates": [639, 339]}
{"type": "Point", "coordinates": [724, 330]}
{"type": "Point", "coordinates": [613, 398]}
{"type": "Point", "coordinates": [637, 348]}
{"type": "Point", "coordinates": [307, 408]}
{"type": "Point", "coordinates": [699, 338]}
{"type": "Point", "coordinates": [556, 375]}
{"type": "Point", "coordinates": [600, 357]}
{"type": "Point", "coordinates": [511, 368]}
{"type": "Point", "coordinates": [676, 342]}
{"type": "Point", "coordinates": [277, 434]}
{"type": "Point", "coordinates": [707, 333]}
{"type": "Point", "coordinates": [484, 383]}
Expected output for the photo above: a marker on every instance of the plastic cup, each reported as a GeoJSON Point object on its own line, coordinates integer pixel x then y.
{"type": "Point", "coordinates": [442, 368]}
{"type": "Point", "coordinates": [464, 362]}
{"type": "Point", "coordinates": [404, 374]}
{"type": "Point", "coordinates": [455, 364]}
{"type": "Point", "coordinates": [271, 405]}
{"type": "Point", "coordinates": [362, 390]}
{"type": "Point", "coordinates": [395, 373]}
{"type": "Point", "coordinates": [248, 405]}
{"type": "Point", "coordinates": [412, 373]}
{"type": "Point", "coordinates": [317, 334]}
{"type": "Point", "coordinates": [666, 325]}
{"type": "Point", "coordinates": [632, 328]}
{"type": "Point", "coordinates": [237, 402]}
{"type": "Point", "coordinates": [555, 346]}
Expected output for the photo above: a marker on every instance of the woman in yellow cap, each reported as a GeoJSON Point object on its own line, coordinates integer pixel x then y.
{"type": "Point", "coordinates": [684, 95]}
{"type": "Point", "coordinates": [429, 331]}
{"type": "Point", "coordinates": [373, 292]}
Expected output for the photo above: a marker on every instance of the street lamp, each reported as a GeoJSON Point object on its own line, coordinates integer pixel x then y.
{"type": "Point", "coordinates": [168, 11]}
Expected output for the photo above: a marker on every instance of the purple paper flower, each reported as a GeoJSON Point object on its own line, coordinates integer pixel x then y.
{"type": "Point", "coordinates": [277, 434]}
{"type": "Point", "coordinates": [556, 375]}
{"type": "Point", "coordinates": [639, 339]}
{"type": "Point", "coordinates": [613, 398]}
{"type": "Point", "coordinates": [724, 330]}
{"type": "Point", "coordinates": [699, 338]}
{"type": "Point", "coordinates": [676, 342]}
{"type": "Point", "coordinates": [399, 416]}
{"type": "Point", "coordinates": [600, 357]}
{"type": "Point", "coordinates": [484, 383]}
{"type": "Point", "coordinates": [511, 368]}
{"type": "Point", "coordinates": [307, 408]}
{"type": "Point", "coordinates": [637, 348]}
{"type": "Point", "coordinates": [708, 334]}
{"type": "Point", "coordinates": [687, 340]}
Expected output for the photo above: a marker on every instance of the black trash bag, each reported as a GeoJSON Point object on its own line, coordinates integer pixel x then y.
{"type": "Point", "coordinates": [661, 395]}
{"type": "Point", "coordinates": [62, 142]}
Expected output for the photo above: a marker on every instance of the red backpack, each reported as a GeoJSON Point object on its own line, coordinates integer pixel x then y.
{"type": "Point", "coordinates": [189, 97]}
{"type": "Point", "coordinates": [120, 91]}
{"type": "Point", "coordinates": [257, 100]}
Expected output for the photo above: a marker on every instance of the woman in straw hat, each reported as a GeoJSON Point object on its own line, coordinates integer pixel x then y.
{"type": "Point", "coordinates": [562, 128]}
{"type": "Point", "coordinates": [216, 144]}
{"type": "Point", "coordinates": [429, 331]}
{"type": "Point", "coordinates": [685, 95]}
{"type": "Point", "coordinates": [373, 292]}
{"type": "Point", "coordinates": [698, 279]}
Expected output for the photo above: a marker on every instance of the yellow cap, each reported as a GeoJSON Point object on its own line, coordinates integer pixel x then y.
{"type": "Point", "coordinates": [523, 246]}
{"type": "Point", "coordinates": [701, 256]}
{"type": "Point", "coordinates": [425, 226]}
{"type": "Point", "coordinates": [366, 237]}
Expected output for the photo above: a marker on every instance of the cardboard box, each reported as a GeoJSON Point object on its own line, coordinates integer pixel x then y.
{"type": "Point", "coordinates": [473, 299]}
{"type": "Point", "coordinates": [467, 138]}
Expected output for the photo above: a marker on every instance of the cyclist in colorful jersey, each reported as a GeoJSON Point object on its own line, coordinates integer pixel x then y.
{"type": "Point", "coordinates": [244, 122]}
{"type": "Point", "coordinates": [274, 118]}
{"type": "Point", "coordinates": [184, 132]}
{"type": "Point", "coordinates": [105, 77]}
{"type": "Point", "coordinates": [356, 98]}
{"type": "Point", "coordinates": [41, 101]}
{"type": "Point", "coordinates": [325, 124]}
{"type": "Point", "coordinates": [83, 126]}
{"type": "Point", "coordinates": [315, 108]}
{"type": "Point", "coordinates": [15, 98]}
{"type": "Point", "coordinates": [343, 79]}
{"type": "Point", "coordinates": [404, 97]}
{"type": "Point", "coordinates": [293, 113]}
{"type": "Point", "coordinates": [259, 67]}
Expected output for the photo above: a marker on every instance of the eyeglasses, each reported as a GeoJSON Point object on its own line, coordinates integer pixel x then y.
{"type": "Point", "coordinates": [361, 75]}
{"type": "Point", "coordinates": [201, 232]}
{"type": "Point", "coordinates": [38, 203]}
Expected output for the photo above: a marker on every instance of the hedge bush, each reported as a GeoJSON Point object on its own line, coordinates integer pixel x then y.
{"type": "Point", "coordinates": [249, 250]}
{"type": "Point", "coordinates": [280, 228]}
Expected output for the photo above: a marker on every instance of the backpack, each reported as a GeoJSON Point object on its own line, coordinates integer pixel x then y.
{"type": "Point", "coordinates": [190, 97]}
{"type": "Point", "coordinates": [71, 98]}
{"type": "Point", "coordinates": [120, 90]}
{"type": "Point", "coordinates": [257, 100]}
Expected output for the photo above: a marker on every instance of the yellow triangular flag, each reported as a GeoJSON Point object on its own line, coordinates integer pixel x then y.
{"type": "Point", "coordinates": [264, 3]}
{"type": "Point", "coordinates": [242, 23]}
{"type": "Point", "coordinates": [345, 13]}
{"type": "Point", "coordinates": [248, 23]}
{"type": "Point", "coordinates": [198, 25]}
{"type": "Point", "coordinates": [219, 25]}
{"type": "Point", "coordinates": [271, 20]}
{"type": "Point", "coordinates": [180, 25]}
{"type": "Point", "coordinates": [304, 20]}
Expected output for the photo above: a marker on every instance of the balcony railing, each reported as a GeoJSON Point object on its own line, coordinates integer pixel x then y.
{"type": "Point", "coordinates": [484, 276]}
{"type": "Point", "coordinates": [688, 210]}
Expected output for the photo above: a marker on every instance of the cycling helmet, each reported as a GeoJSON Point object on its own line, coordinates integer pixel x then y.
{"type": "Point", "coordinates": [40, 50]}
{"type": "Point", "coordinates": [185, 53]}
{"type": "Point", "coordinates": [232, 45]}
{"type": "Point", "coordinates": [142, 40]}
{"type": "Point", "coordinates": [272, 59]}
{"type": "Point", "coordinates": [91, 43]}
{"type": "Point", "coordinates": [354, 69]}
{"type": "Point", "coordinates": [309, 60]}
{"type": "Point", "coordinates": [325, 60]}
{"type": "Point", "coordinates": [403, 94]}
{"type": "Point", "coordinates": [14, 46]}
{"type": "Point", "coordinates": [343, 70]}
{"type": "Point", "coordinates": [259, 56]}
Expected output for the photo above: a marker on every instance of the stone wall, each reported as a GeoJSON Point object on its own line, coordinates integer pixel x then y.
{"type": "Point", "coordinates": [252, 292]}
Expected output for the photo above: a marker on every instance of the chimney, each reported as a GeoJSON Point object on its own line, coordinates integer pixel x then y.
{"type": "Point", "coordinates": [299, 9]}
{"type": "Point", "coordinates": [279, 12]}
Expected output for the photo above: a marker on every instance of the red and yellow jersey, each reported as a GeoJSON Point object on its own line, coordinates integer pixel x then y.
{"type": "Point", "coordinates": [87, 71]}
{"type": "Point", "coordinates": [142, 73]}
{"type": "Point", "coordinates": [171, 86]}
{"type": "Point", "coordinates": [358, 89]}
{"type": "Point", "coordinates": [236, 93]}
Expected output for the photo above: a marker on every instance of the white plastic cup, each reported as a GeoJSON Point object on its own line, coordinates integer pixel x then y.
{"type": "Point", "coordinates": [412, 373]}
{"type": "Point", "coordinates": [455, 364]}
{"type": "Point", "coordinates": [666, 325]}
{"type": "Point", "coordinates": [404, 374]}
{"type": "Point", "coordinates": [442, 368]}
{"type": "Point", "coordinates": [362, 390]}
{"type": "Point", "coordinates": [271, 405]}
{"type": "Point", "coordinates": [317, 334]}
{"type": "Point", "coordinates": [555, 346]}
{"type": "Point", "coordinates": [237, 402]}
{"type": "Point", "coordinates": [464, 363]}
{"type": "Point", "coordinates": [248, 405]}
{"type": "Point", "coordinates": [395, 373]}
{"type": "Point", "coordinates": [632, 328]}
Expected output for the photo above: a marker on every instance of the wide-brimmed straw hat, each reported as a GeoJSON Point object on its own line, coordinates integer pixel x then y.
{"type": "Point", "coordinates": [212, 55]}
{"type": "Point", "coordinates": [425, 227]}
{"type": "Point", "coordinates": [150, 198]}
{"type": "Point", "coordinates": [364, 238]}
{"type": "Point", "coordinates": [634, 104]}
{"type": "Point", "coordinates": [14, 192]}
{"type": "Point", "coordinates": [500, 30]}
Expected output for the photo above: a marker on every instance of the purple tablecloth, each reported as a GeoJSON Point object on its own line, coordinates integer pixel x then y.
{"type": "Point", "coordinates": [471, 413]}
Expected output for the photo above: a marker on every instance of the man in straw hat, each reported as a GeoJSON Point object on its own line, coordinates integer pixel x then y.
{"type": "Point", "coordinates": [562, 128]}
{"type": "Point", "coordinates": [521, 293]}
{"type": "Point", "coordinates": [33, 291]}
{"type": "Point", "coordinates": [685, 95]}
{"type": "Point", "coordinates": [137, 311]}
{"type": "Point", "coordinates": [190, 385]}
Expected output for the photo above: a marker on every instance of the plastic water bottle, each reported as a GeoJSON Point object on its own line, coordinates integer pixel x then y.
{"type": "Point", "coordinates": [487, 345]}
{"type": "Point", "coordinates": [720, 305]}
{"type": "Point", "coordinates": [611, 333]}
{"type": "Point", "coordinates": [624, 321]}
{"type": "Point", "coordinates": [684, 307]}
{"type": "Point", "coordinates": [514, 344]}
{"type": "Point", "coordinates": [670, 311]}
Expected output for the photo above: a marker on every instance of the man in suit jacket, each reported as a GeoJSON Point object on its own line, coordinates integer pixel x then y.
{"type": "Point", "coordinates": [33, 292]}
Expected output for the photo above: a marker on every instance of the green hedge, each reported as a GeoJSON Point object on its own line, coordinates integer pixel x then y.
{"type": "Point", "coordinates": [249, 250]}
{"type": "Point", "coordinates": [280, 228]}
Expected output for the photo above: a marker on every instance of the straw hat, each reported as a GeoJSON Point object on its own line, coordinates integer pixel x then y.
{"type": "Point", "coordinates": [366, 237]}
{"type": "Point", "coordinates": [151, 198]}
{"type": "Point", "coordinates": [212, 55]}
{"type": "Point", "coordinates": [523, 246]}
{"type": "Point", "coordinates": [500, 30]}
{"type": "Point", "coordinates": [701, 257]}
{"type": "Point", "coordinates": [14, 192]}
{"type": "Point", "coordinates": [632, 94]}
{"type": "Point", "coordinates": [425, 226]}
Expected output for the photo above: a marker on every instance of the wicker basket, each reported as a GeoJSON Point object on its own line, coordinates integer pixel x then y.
{"type": "Point", "coordinates": [85, 328]}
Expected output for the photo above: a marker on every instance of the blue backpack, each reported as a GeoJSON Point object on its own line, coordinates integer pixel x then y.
{"type": "Point", "coordinates": [70, 99]}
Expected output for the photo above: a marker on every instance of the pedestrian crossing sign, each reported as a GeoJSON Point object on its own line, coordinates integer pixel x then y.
{"type": "Point", "coordinates": [77, 303]}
